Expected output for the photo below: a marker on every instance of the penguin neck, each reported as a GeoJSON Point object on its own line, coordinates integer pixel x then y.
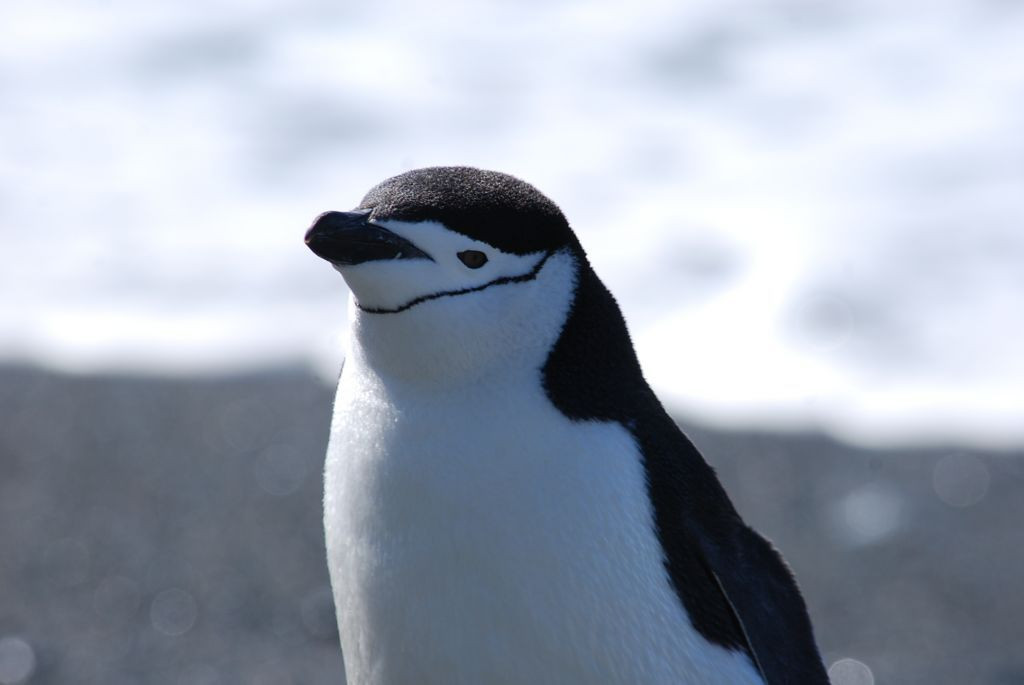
{"type": "Point", "coordinates": [468, 339]}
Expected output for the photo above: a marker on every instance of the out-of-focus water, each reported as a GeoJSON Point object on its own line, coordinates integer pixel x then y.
{"type": "Point", "coordinates": [810, 212]}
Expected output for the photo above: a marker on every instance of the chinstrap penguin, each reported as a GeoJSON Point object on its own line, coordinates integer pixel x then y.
{"type": "Point", "coordinates": [506, 500]}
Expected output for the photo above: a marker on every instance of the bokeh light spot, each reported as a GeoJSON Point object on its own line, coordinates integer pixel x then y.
{"type": "Point", "coordinates": [960, 479]}
{"type": "Point", "coordinates": [173, 612]}
{"type": "Point", "coordinates": [17, 661]}
{"type": "Point", "coordinates": [868, 514]}
{"type": "Point", "coordinates": [850, 672]}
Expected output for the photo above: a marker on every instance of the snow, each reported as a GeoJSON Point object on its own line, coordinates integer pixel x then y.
{"type": "Point", "coordinates": [810, 212]}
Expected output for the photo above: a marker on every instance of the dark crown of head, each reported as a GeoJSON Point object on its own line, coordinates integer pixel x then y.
{"type": "Point", "coordinates": [489, 206]}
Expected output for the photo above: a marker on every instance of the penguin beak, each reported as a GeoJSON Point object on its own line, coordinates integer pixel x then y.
{"type": "Point", "coordinates": [347, 238]}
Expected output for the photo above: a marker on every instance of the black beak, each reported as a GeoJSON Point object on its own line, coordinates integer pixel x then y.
{"type": "Point", "coordinates": [348, 238]}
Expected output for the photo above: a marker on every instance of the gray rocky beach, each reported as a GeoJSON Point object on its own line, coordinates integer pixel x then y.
{"type": "Point", "coordinates": [168, 531]}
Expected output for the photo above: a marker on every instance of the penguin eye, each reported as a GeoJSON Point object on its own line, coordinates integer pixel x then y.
{"type": "Point", "coordinates": [474, 259]}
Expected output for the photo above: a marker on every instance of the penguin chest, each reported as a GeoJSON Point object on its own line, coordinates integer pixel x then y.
{"type": "Point", "coordinates": [479, 536]}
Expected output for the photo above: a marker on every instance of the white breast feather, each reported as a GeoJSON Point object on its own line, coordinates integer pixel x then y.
{"type": "Point", "coordinates": [477, 536]}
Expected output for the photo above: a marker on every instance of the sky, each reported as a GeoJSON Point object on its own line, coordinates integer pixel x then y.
{"type": "Point", "coordinates": [810, 213]}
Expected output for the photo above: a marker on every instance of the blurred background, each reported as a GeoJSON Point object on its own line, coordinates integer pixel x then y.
{"type": "Point", "coordinates": [810, 212]}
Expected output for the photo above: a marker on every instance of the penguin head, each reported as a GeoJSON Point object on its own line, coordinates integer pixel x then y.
{"type": "Point", "coordinates": [454, 254]}
{"type": "Point", "coordinates": [437, 233]}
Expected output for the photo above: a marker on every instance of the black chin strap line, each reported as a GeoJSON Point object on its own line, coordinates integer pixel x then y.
{"type": "Point", "coordinates": [522, 278]}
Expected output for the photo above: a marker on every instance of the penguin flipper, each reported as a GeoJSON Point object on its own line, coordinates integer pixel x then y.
{"type": "Point", "coordinates": [764, 598]}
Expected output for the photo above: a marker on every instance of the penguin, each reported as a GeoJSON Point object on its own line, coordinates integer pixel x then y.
{"type": "Point", "coordinates": [506, 501]}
